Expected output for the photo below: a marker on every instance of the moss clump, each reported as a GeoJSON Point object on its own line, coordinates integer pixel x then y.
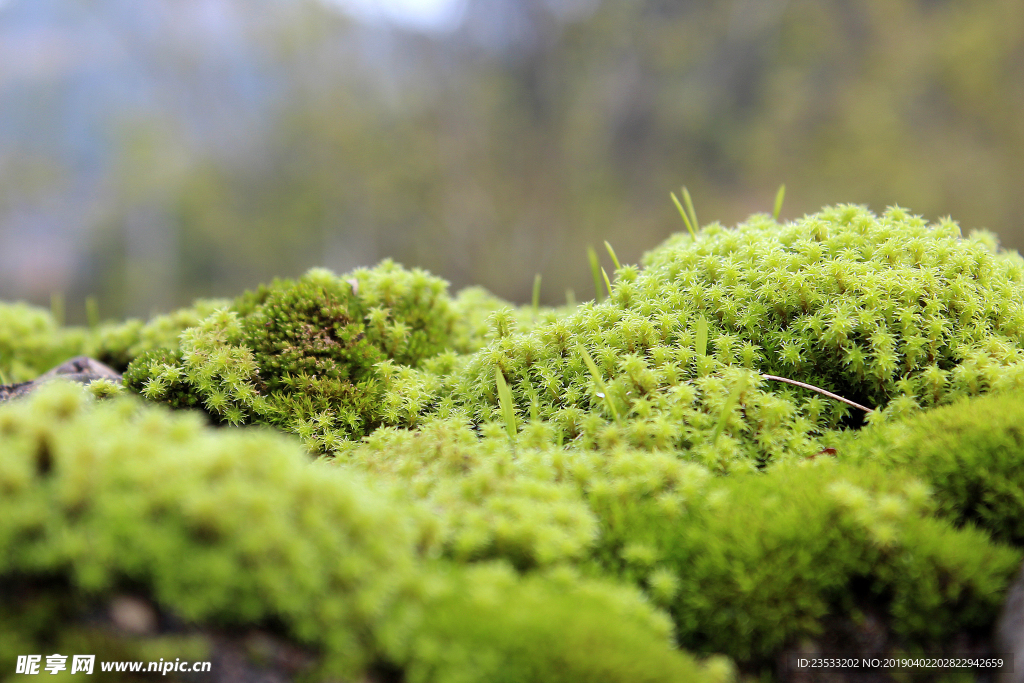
{"type": "Point", "coordinates": [161, 366]}
{"type": "Point", "coordinates": [225, 528]}
{"type": "Point", "coordinates": [886, 311]}
{"type": "Point", "coordinates": [971, 453]}
{"type": "Point", "coordinates": [303, 355]}
{"type": "Point", "coordinates": [880, 309]}
{"type": "Point", "coordinates": [31, 342]}
{"type": "Point", "coordinates": [745, 564]}
{"type": "Point", "coordinates": [118, 344]}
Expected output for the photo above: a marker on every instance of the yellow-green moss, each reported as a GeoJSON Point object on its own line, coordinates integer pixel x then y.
{"type": "Point", "coordinates": [231, 527]}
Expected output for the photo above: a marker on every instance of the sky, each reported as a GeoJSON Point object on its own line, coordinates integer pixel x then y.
{"type": "Point", "coordinates": [424, 15]}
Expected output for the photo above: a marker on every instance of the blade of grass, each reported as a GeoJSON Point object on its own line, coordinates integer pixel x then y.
{"type": "Point", "coordinates": [595, 267]}
{"type": "Point", "coordinates": [57, 308]}
{"type": "Point", "coordinates": [682, 212]}
{"type": "Point", "coordinates": [570, 298]}
{"type": "Point", "coordinates": [611, 252]}
{"type": "Point", "coordinates": [700, 342]}
{"type": "Point", "coordinates": [730, 402]}
{"type": "Point", "coordinates": [779, 196]}
{"type": "Point", "coordinates": [536, 292]}
{"type": "Point", "coordinates": [92, 312]}
{"type": "Point", "coordinates": [689, 207]}
{"type": "Point", "coordinates": [607, 282]}
{"type": "Point", "coordinates": [507, 408]}
{"type": "Point", "coordinates": [601, 388]}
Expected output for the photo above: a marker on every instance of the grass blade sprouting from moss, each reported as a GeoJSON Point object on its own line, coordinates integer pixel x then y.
{"type": "Point", "coordinates": [570, 298]}
{"type": "Point", "coordinates": [507, 408]}
{"type": "Point", "coordinates": [57, 308]}
{"type": "Point", "coordinates": [536, 292]}
{"type": "Point", "coordinates": [689, 208]}
{"type": "Point", "coordinates": [92, 312]}
{"type": "Point", "coordinates": [611, 252]}
{"type": "Point", "coordinates": [730, 402]}
{"type": "Point", "coordinates": [700, 340]}
{"type": "Point", "coordinates": [779, 196]}
{"type": "Point", "coordinates": [601, 388]}
{"type": "Point", "coordinates": [804, 385]}
{"type": "Point", "coordinates": [607, 282]}
{"type": "Point", "coordinates": [595, 267]}
{"type": "Point", "coordinates": [682, 212]}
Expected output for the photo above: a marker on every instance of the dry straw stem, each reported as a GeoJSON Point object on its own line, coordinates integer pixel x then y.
{"type": "Point", "coordinates": [804, 385]}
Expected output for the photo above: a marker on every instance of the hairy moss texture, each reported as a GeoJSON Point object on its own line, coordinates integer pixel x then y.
{"type": "Point", "coordinates": [611, 491]}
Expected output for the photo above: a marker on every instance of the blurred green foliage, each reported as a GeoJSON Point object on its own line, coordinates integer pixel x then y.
{"type": "Point", "coordinates": [488, 162]}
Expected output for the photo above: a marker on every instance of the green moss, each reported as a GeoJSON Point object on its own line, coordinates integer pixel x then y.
{"type": "Point", "coordinates": [556, 627]}
{"type": "Point", "coordinates": [457, 536]}
{"type": "Point", "coordinates": [118, 344]}
{"type": "Point", "coordinates": [746, 564]}
{"type": "Point", "coordinates": [874, 308]}
{"type": "Point", "coordinates": [303, 355]}
{"type": "Point", "coordinates": [227, 527]}
{"type": "Point", "coordinates": [886, 311]}
{"type": "Point", "coordinates": [31, 342]}
{"type": "Point", "coordinates": [971, 453]}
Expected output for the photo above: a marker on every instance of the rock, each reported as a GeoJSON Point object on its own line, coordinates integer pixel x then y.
{"type": "Point", "coordinates": [80, 369]}
{"type": "Point", "coordinates": [1009, 633]}
{"type": "Point", "coordinates": [133, 615]}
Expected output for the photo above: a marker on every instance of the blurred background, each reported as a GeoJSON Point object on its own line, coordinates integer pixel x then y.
{"type": "Point", "coordinates": [156, 151]}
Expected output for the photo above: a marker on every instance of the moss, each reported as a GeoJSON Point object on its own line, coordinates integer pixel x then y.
{"type": "Point", "coordinates": [31, 342]}
{"type": "Point", "coordinates": [226, 528]}
{"type": "Point", "coordinates": [887, 311]}
{"type": "Point", "coordinates": [871, 307]}
{"type": "Point", "coordinates": [302, 355]}
{"type": "Point", "coordinates": [118, 344]}
{"type": "Point", "coordinates": [971, 453]}
{"type": "Point", "coordinates": [450, 539]}
{"type": "Point", "coordinates": [746, 564]}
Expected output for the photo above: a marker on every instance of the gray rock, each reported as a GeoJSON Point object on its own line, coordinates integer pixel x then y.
{"type": "Point", "coordinates": [1009, 633]}
{"type": "Point", "coordinates": [80, 369]}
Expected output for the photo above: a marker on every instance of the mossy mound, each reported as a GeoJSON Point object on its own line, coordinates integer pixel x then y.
{"type": "Point", "coordinates": [31, 342]}
{"type": "Point", "coordinates": [971, 453]}
{"type": "Point", "coordinates": [228, 528]}
{"type": "Point", "coordinates": [543, 467]}
{"type": "Point", "coordinates": [887, 311]}
{"type": "Point", "coordinates": [879, 309]}
{"type": "Point", "coordinates": [745, 564]}
{"type": "Point", "coordinates": [302, 355]}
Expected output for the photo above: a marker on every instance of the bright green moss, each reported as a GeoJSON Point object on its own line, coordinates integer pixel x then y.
{"type": "Point", "coordinates": [211, 522]}
{"type": "Point", "coordinates": [872, 308]}
{"type": "Point", "coordinates": [303, 355]}
{"type": "Point", "coordinates": [557, 627]}
{"type": "Point", "coordinates": [226, 527]}
{"type": "Point", "coordinates": [746, 564]}
{"type": "Point", "coordinates": [31, 342]}
{"type": "Point", "coordinates": [760, 560]}
{"type": "Point", "coordinates": [604, 464]}
{"type": "Point", "coordinates": [886, 311]}
{"type": "Point", "coordinates": [971, 453]}
{"type": "Point", "coordinates": [117, 344]}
